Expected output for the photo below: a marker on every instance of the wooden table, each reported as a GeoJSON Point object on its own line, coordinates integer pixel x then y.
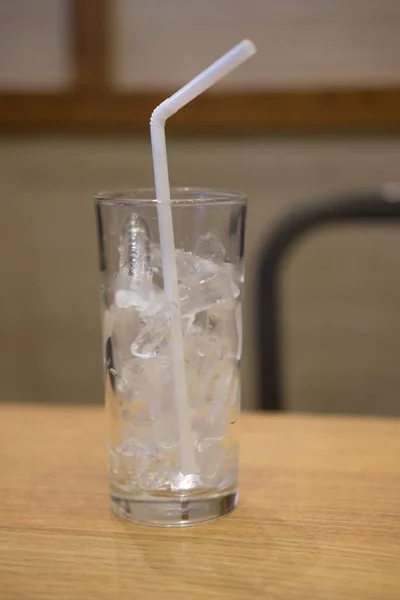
{"type": "Point", "coordinates": [319, 515]}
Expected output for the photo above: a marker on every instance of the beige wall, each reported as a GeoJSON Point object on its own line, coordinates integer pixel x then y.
{"type": "Point", "coordinates": [163, 43]}
{"type": "Point", "coordinates": [300, 42]}
{"type": "Point", "coordinates": [35, 44]}
{"type": "Point", "coordinates": [342, 290]}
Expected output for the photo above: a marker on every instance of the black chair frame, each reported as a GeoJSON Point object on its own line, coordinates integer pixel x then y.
{"type": "Point", "coordinates": [374, 207]}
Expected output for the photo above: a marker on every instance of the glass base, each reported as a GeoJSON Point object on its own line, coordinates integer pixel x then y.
{"type": "Point", "coordinates": [175, 511]}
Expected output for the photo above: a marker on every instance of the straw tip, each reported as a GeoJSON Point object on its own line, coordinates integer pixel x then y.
{"type": "Point", "coordinates": [249, 47]}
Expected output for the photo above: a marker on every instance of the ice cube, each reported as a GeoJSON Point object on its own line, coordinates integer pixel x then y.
{"type": "Point", "coordinates": [208, 458]}
{"type": "Point", "coordinates": [157, 301]}
{"type": "Point", "coordinates": [134, 253]}
{"type": "Point", "coordinates": [156, 330]}
{"type": "Point", "coordinates": [221, 323]}
{"type": "Point", "coordinates": [155, 475]}
{"type": "Point", "coordinates": [122, 468]}
{"type": "Point", "coordinates": [221, 385]}
{"type": "Point", "coordinates": [199, 294]}
{"type": "Point", "coordinates": [195, 324]}
{"type": "Point", "coordinates": [148, 384]}
{"type": "Point", "coordinates": [131, 298]}
{"type": "Point", "coordinates": [147, 302]}
{"type": "Point", "coordinates": [202, 355]}
{"type": "Point", "coordinates": [166, 430]}
{"type": "Point", "coordinates": [138, 459]}
{"type": "Point", "coordinates": [214, 423]}
{"type": "Point", "coordinates": [187, 264]}
{"type": "Point", "coordinates": [126, 327]}
{"type": "Point", "coordinates": [137, 447]}
{"type": "Point", "coordinates": [131, 381]}
{"type": "Point", "coordinates": [180, 482]}
{"type": "Point", "coordinates": [160, 396]}
{"type": "Point", "coordinates": [138, 436]}
{"type": "Point", "coordinates": [235, 272]}
{"type": "Point", "coordinates": [163, 411]}
{"type": "Point", "coordinates": [209, 246]}
{"type": "Point", "coordinates": [165, 424]}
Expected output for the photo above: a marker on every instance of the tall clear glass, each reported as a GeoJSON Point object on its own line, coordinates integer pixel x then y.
{"type": "Point", "coordinates": [146, 483]}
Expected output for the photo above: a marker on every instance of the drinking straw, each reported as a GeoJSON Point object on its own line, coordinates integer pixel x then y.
{"type": "Point", "coordinates": [224, 65]}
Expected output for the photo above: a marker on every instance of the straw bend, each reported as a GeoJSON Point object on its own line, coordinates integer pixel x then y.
{"type": "Point", "coordinates": [221, 67]}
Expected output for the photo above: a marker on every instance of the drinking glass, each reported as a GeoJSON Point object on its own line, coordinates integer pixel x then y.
{"type": "Point", "coordinates": [147, 484]}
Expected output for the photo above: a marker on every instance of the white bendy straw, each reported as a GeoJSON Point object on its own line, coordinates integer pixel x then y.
{"type": "Point", "coordinates": [224, 65]}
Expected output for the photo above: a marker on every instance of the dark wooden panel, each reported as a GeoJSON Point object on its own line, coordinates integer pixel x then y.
{"type": "Point", "coordinates": [90, 43]}
{"type": "Point", "coordinates": [279, 111]}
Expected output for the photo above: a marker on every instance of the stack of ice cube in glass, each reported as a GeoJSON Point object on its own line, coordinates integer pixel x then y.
{"type": "Point", "coordinates": [137, 324]}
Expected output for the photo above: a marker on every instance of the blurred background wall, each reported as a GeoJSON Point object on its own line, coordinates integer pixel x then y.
{"type": "Point", "coordinates": [155, 44]}
{"type": "Point", "coordinates": [316, 111]}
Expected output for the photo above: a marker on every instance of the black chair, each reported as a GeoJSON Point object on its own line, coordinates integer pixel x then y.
{"type": "Point", "coordinates": [372, 207]}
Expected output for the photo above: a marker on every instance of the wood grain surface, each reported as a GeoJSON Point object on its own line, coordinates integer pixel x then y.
{"type": "Point", "coordinates": [319, 515]}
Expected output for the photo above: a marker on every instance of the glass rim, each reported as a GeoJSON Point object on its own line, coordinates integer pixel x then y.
{"type": "Point", "coordinates": [180, 196]}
